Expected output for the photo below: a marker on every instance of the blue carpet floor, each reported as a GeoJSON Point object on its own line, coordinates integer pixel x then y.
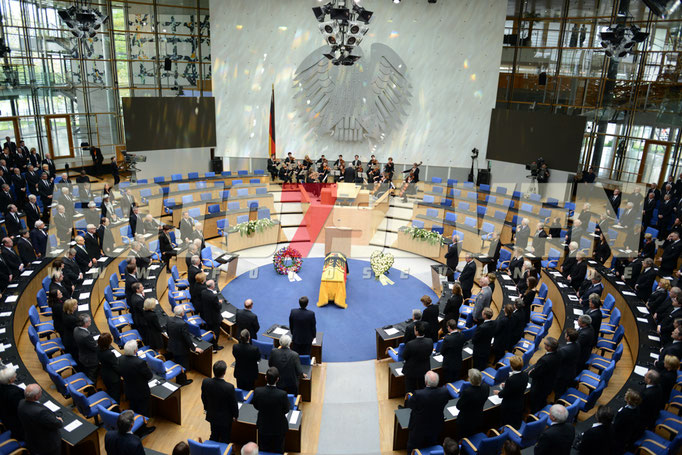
{"type": "Point", "coordinates": [349, 333]}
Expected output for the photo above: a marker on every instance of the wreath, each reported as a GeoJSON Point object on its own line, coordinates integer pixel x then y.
{"type": "Point", "coordinates": [287, 260]}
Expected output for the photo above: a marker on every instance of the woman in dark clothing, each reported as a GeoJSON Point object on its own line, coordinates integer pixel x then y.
{"type": "Point", "coordinates": [648, 247]}
{"type": "Point", "coordinates": [513, 393]}
{"type": "Point", "coordinates": [470, 405]}
{"type": "Point", "coordinates": [70, 321]}
{"type": "Point", "coordinates": [56, 302]}
{"type": "Point", "coordinates": [109, 366]}
{"type": "Point", "coordinates": [166, 246]}
{"type": "Point", "coordinates": [668, 379]}
{"type": "Point", "coordinates": [659, 296]}
{"type": "Point", "coordinates": [529, 296]}
{"type": "Point", "coordinates": [502, 332]}
{"type": "Point", "coordinates": [452, 306]}
{"type": "Point", "coordinates": [555, 228]}
{"type": "Point", "coordinates": [491, 281]}
{"type": "Point", "coordinates": [627, 423]}
{"type": "Point", "coordinates": [603, 250]}
{"type": "Point", "coordinates": [153, 332]}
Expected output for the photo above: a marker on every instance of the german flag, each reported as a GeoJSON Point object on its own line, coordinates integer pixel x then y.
{"type": "Point", "coordinates": [272, 143]}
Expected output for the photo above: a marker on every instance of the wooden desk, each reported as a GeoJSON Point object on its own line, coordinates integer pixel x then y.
{"type": "Point", "coordinates": [244, 428]}
{"type": "Point", "coordinates": [166, 403]}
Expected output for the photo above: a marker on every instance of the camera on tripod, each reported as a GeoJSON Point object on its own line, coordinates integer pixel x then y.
{"type": "Point", "coordinates": [535, 166]}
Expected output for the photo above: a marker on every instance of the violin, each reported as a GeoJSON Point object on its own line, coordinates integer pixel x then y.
{"type": "Point", "coordinates": [409, 180]}
{"type": "Point", "coordinates": [342, 164]}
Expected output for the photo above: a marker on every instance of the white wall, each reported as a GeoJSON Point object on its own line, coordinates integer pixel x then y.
{"type": "Point", "coordinates": [175, 161]}
{"type": "Point", "coordinates": [451, 51]}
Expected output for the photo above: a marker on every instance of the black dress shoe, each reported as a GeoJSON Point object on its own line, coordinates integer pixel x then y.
{"type": "Point", "coordinates": [187, 382]}
{"type": "Point", "coordinates": [219, 348]}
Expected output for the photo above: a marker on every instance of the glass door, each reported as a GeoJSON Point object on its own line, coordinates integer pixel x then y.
{"type": "Point", "coordinates": [654, 164]}
{"type": "Point", "coordinates": [9, 126]}
{"type": "Point", "coordinates": [59, 137]}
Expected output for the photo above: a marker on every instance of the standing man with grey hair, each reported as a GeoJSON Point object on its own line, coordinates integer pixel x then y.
{"type": "Point", "coordinates": [87, 347]}
{"type": "Point", "coordinates": [247, 319]}
{"type": "Point", "coordinates": [10, 396]}
{"type": "Point", "coordinates": [558, 436]}
{"type": "Point", "coordinates": [136, 376]}
{"type": "Point", "coordinates": [41, 425]}
{"type": "Point", "coordinates": [288, 363]}
{"type": "Point", "coordinates": [32, 210]}
{"type": "Point", "coordinates": [543, 374]}
{"type": "Point", "coordinates": [426, 418]}
{"type": "Point", "coordinates": [585, 339]}
{"type": "Point", "coordinates": [466, 278]}
{"type": "Point", "coordinates": [122, 441]}
{"type": "Point", "coordinates": [39, 238]}
{"type": "Point", "coordinates": [483, 299]}
{"type": "Point", "coordinates": [250, 448]}
{"type": "Point", "coordinates": [180, 343]}
{"type": "Point", "coordinates": [210, 312]}
{"type": "Point", "coordinates": [409, 328]}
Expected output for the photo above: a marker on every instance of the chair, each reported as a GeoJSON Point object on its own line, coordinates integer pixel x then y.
{"type": "Point", "coordinates": [205, 197]}
{"type": "Point", "coordinates": [599, 362]}
{"type": "Point", "coordinates": [436, 180]}
{"type": "Point", "coordinates": [264, 347]}
{"type": "Point", "coordinates": [237, 182]}
{"type": "Point", "coordinates": [252, 204]}
{"type": "Point", "coordinates": [116, 291]}
{"type": "Point", "coordinates": [180, 283]}
{"type": "Point", "coordinates": [505, 258]}
{"type": "Point", "coordinates": [528, 434]}
{"type": "Point", "coordinates": [609, 328]}
{"type": "Point", "coordinates": [77, 380]}
{"type": "Point", "coordinates": [226, 173]}
{"type": "Point", "coordinates": [428, 199]}
{"type": "Point", "coordinates": [207, 257]}
{"type": "Point", "coordinates": [119, 321]}
{"type": "Point", "coordinates": [610, 302]}
{"type": "Point", "coordinates": [193, 175]}
{"type": "Point", "coordinates": [121, 338]}
{"type": "Point", "coordinates": [540, 298]}
{"type": "Point", "coordinates": [115, 305]}
{"type": "Point", "coordinates": [59, 363]}
{"type": "Point", "coordinates": [590, 380]}
{"type": "Point", "coordinates": [145, 194]}
{"type": "Point", "coordinates": [484, 444]}
{"type": "Point", "coordinates": [187, 199]}
{"type": "Point", "coordinates": [262, 190]}
{"type": "Point", "coordinates": [10, 446]}
{"type": "Point", "coordinates": [418, 224]}
{"type": "Point", "coordinates": [166, 369]}
{"type": "Point", "coordinates": [263, 213]}
{"type": "Point", "coordinates": [492, 377]}
{"type": "Point", "coordinates": [432, 213]}
{"type": "Point", "coordinates": [177, 295]}
{"type": "Point", "coordinates": [539, 317]}
{"type": "Point", "coordinates": [437, 229]}
{"type": "Point", "coordinates": [209, 448]}
{"type": "Point", "coordinates": [222, 226]}
{"type": "Point", "coordinates": [44, 329]}
{"type": "Point", "coordinates": [176, 177]}
{"type": "Point", "coordinates": [433, 450]}
{"type": "Point", "coordinates": [168, 205]}
{"type": "Point", "coordinates": [586, 401]}
{"type": "Point", "coordinates": [652, 443]}
{"type": "Point", "coordinates": [214, 208]}
{"type": "Point", "coordinates": [242, 192]}
{"type": "Point", "coordinates": [455, 388]}
{"type": "Point", "coordinates": [88, 405]}
{"type": "Point", "coordinates": [209, 174]}
{"type": "Point", "coordinates": [552, 259]}
{"type": "Point", "coordinates": [49, 346]}
{"type": "Point", "coordinates": [243, 172]}
{"type": "Point", "coordinates": [254, 181]}
{"type": "Point", "coordinates": [397, 353]}
{"type": "Point", "coordinates": [194, 212]}
{"type": "Point", "coordinates": [46, 283]}
{"type": "Point", "coordinates": [234, 205]}
{"type": "Point", "coordinates": [195, 329]}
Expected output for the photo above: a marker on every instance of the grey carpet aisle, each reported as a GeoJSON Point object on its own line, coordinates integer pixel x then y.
{"type": "Point", "coordinates": [350, 413]}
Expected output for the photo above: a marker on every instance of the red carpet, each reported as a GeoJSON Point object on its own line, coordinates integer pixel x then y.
{"type": "Point", "coordinates": [315, 217]}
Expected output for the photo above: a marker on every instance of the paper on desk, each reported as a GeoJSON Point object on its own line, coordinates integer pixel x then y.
{"type": "Point", "coordinates": [22, 386]}
{"type": "Point", "coordinates": [640, 370]}
{"type": "Point", "coordinates": [494, 399]}
{"type": "Point", "coordinates": [5, 314]}
{"type": "Point", "coordinates": [577, 311]}
{"type": "Point", "coordinates": [153, 383]}
{"type": "Point", "coordinates": [26, 273]}
{"type": "Point", "coordinates": [438, 358]}
{"type": "Point", "coordinates": [83, 307]}
{"type": "Point", "coordinates": [573, 298]}
{"type": "Point", "coordinates": [629, 293]}
{"type": "Point", "coordinates": [154, 266]}
{"type": "Point", "coordinates": [116, 353]}
{"type": "Point", "coordinates": [622, 283]}
{"type": "Point", "coordinates": [88, 282]}
{"type": "Point", "coordinates": [3, 330]}
{"type": "Point", "coordinates": [643, 309]}
{"type": "Point", "coordinates": [72, 426]}
{"type": "Point", "coordinates": [84, 295]}
{"type": "Point", "coordinates": [654, 338]}
{"type": "Point", "coordinates": [148, 290]}
{"type": "Point", "coordinates": [561, 285]}
{"type": "Point", "coordinates": [506, 277]}
{"type": "Point", "coordinates": [92, 271]}
{"type": "Point", "coordinates": [453, 410]}
{"type": "Point", "coordinates": [13, 285]}
{"type": "Point", "coordinates": [391, 331]}
{"type": "Point", "coordinates": [468, 351]}
{"type": "Point", "coordinates": [575, 324]}
{"type": "Point", "coordinates": [51, 406]}
{"type": "Point", "coordinates": [11, 298]}
{"type": "Point", "coordinates": [294, 417]}
{"type": "Point", "coordinates": [118, 250]}
{"type": "Point", "coordinates": [399, 371]}
{"type": "Point", "coordinates": [511, 288]}
{"type": "Point", "coordinates": [315, 340]}
{"type": "Point", "coordinates": [239, 405]}
{"type": "Point", "coordinates": [169, 386]}
{"type": "Point", "coordinates": [654, 355]}
{"type": "Point", "coordinates": [280, 331]}
{"type": "Point", "coordinates": [226, 314]}
{"type": "Point", "coordinates": [102, 259]}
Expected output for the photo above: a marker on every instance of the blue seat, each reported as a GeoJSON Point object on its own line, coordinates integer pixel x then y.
{"type": "Point", "coordinates": [225, 195]}
{"type": "Point", "coordinates": [234, 205]}
{"type": "Point", "coordinates": [433, 450]}
{"type": "Point", "coordinates": [242, 219]}
{"type": "Point", "coordinates": [214, 208]}
{"type": "Point", "coordinates": [452, 182]}
{"type": "Point", "coordinates": [585, 401]}
{"type": "Point", "coordinates": [471, 222]}
{"type": "Point", "coordinates": [484, 187]}
{"type": "Point", "coordinates": [87, 405]}
{"type": "Point", "coordinates": [187, 199]}
{"type": "Point", "coordinates": [526, 207]}
{"type": "Point", "coordinates": [505, 258]}
{"type": "Point", "coordinates": [166, 369]}
{"type": "Point", "coordinates": [242, 192]}
{"type": "Point", "coordinates": [50, 346]}
{"type": "Point", "coordinates": [44, 329]}
{"type": "Point", "coordinates": [183, 187]}
{"type": "Point", "coordinates": [609, 328]}
{"type": "Point", "coordinates": [120, 321]}
{"type": "Point", "coordinates": [456, 388]}
{"type": "Point", "coordinates": [437, 229]}
{"type": "Point", "coordinates": [418, 224]}
{"type": "Point", "coordinates": [237, 182]}
{"type": "Point", "coordinates": [254, 180]}
{"type": "Point", "coordinates": [501, 190]}
{"type": "Point", "coordinates": [176, 177]}
{"type": "Point", "coordinates": [160, 179]}
{"type": "Point", "coordinates": [243, 172]}
{"type": "Point", "coordinates": [534, 197]}
{"type": "Point", "coordinates": [428, 199]}
{"type": "Point", "coordinates": [446, 202]}
{"type": "Point", "coordinates": [201, 185]}
{"type": "Point", "coordinates": [209, 174]}
{"type": "Point", "coordinates": [433, 213]}
{"type": "Point", "coordinates": [121, 338]}
{"type": "Point", "coordinates": [109, 419]}
{"type": "Point", "coordinates": [207, 256]}
{"type": "Point", "coordinates": [472, 195]}
{"type": "Point", "coordinates": [482, 444]}
{"type": "Point", "coordinates": [180, 283]}
{"type": "Point", "coordinates": [463, 206]}
{"type": "Point", "coordinates": [116, 291]}
{"type": "Point", "coordinates": [492, 376]}
{"type": "Point", "coordinates": [226, 173]}
{"type": "Point", "coordinates": [490, 199]}
{"type": "Point", "coordinates": [450, 216]}
{"type": "Point", "coordinates": [79, 381]}
{"type": "Point", "coordinates": [264, 347]}
{"type": "Point", "coordinates": [652, 443]}
{"type": "Point", "coordinates": [545, 213]}
{"type": "Point", "coordinates": [436, 180]}
{"type": "Point", "coordinates": [261, 190]}
{"type": "Point", "coordinates": [528, 434]}
{"type": "Point", "coordinates": [145, 193]}
{"type": "Point", "coordinates": [468, 185]}
{"type": "Point", "coordinates": [552, 259]}
{"type": "Point", "coordinates": [552, 201]}
{"type": "Point", "coordinates": [210, 448]}
{"type": "Point", "coordinates": [397, 353]}
{"type": "Point", "coordinates": [222, 226]}
{"type": "Point", "coordinates": [252, 204]}
{"type": "Point", "coordinates": [652, 231]}
{"type": "Point", "coordinates": [205, 197]}
{"type": "Point", "coordinates": [438, 189]}
{"type": "Point", "coordinates": [243, 396]}
{"type": "Point", "coordinates": [263, 213]}
{"type": "Point", "coordinates": [46, 283]}
{"type": "Point", "coordinates": [193, 175]}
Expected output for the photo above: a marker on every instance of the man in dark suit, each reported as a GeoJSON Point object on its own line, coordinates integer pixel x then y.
{"type": "Point", "coordinates": [543, 374]}
{"type": "Point", "coordinates": [558, 436]}
{"type": "Point", "coordinates": [210, 312]}
{"type": "Point", "coordinates": [466, 278]}
{"type": "Point", "coordinates": [481, 340]}
{"type": "Point", "coordinates": [671, 252]}
{"type": "Point", "coordinates": [9, 145]}
{"type": "Point", "coordinates": [91, 242]}
{"type": "Point", "coordinates": [470, 405]}
{"type": "Point", "coordinates": [417, 356]}
{"type": "Point", "coordinates": [246, 360]}
{"type": "Point", "coordinates": [105, 237]}
{"type": "Point", "coordinates": [10, 396]}
{"type": "Point", "coordinates": [186, 227]}
{"type": "Point", "coordinates": [135, 221]}
{"type": "Point", "coordinates": [539, 240]}
{"type": "Point", "coordinates": [517, 324]}
{"type": "Point", "coordinates": [45, 190]}
{"type": "Point", "coordinates": [452, 258]}
{"type": "Point", "coordinates": [645, 280]}
{"type": "Point", "coordinates": [10, 257]}
{"type": "Point", "coordinates": [26, 252]}
{"type": "Point", "coordinates": [136, 375]}
{"type": "Point", "coordinates": [648, 209]}
{"type": "Point", "coordinates": [82, 257]}
{"type": "Point", "coordinates": [122, 441]}
{"type": "Point", "coordinates": [12, 221]}
{"type": "Point", "coordinates": [39, 238]}
{"type": "Point", "coordinates": [288, 363]}
{"type": "Point", "coordinates": [41, 425]}
{"type": "Point", "coordinates": [513, 394]}
{"type": "Point", "coordinates": [32, 178]}
{"type": "Point", "coordinates": [595, 287]}
{"type": "Point", "coordinates": [303, 327]}
{"type": "Point", "coordinates": [180, 343]}
{"type": "Point", "coordinates": [349, 175]}
{"type": "Point", "coordinates": [595, 315]}
{"type": "Point", "coordinates": [220, 403]}
{"type": "Point", "coordinates": [652, 399]}
{"type": "Point", "coordinates": [87, 347]}
{"type": "Point", "coordinates": [130, 278]}
{"type": "Point", "coordinates": [71, 271]}
{"type": "Point", "coordinates": [673, 348]}
{"type": "Point", "coordinates": [615, 200]}
{"type": "Point", "coordinates": [426, 418]}
{"type": "Point", "coordinates": [32, 211]}
{"type": "Point", "coordinates": [598, 438]}
{"type": "Point", "coordinates": [272, 405]}
{"type": "Point", "coordinates": [666, 326]}
{"type": "Point", "coordinates": [6, 198]}
{"type": "Point", "coordinates": [247, 319]}
{"type": "Point", "coordinates": [570, 356]}
{"type": "Point", "coordinates": [50, 164]}
{"type": "Point", "coordinates": [409, 328]}
{"type": "Point", "coordinates": [451, 350]}
{"type": "Point", "coordinates": [585, 339]}
{"type": "Point", "coordinates": [430, 315]}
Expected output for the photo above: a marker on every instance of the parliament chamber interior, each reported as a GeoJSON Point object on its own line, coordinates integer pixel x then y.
{"type": "Point", "coordinates": [463, 216]}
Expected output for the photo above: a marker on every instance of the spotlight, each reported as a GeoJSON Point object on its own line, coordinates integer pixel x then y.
{"type": "Point", "coordinates": [339, 14]}
{"type": "Point", "coordinates": [619, 40]}
{"type": "Point", "coordinates": [321, 11]}
{"type": "Point", "coordinates": [362, 14]}
{"type": "Point", "coordinates": [82, 22]}
{"type": "Point", "coordinates": [342, 28]}
{"type": "Point", "coordinates": [355, 32]}
{"type": "Point", "coordinates": [330, 31]}
{"type": "Point", "coordinates": [396, 1]}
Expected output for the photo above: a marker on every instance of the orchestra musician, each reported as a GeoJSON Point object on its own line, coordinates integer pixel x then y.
{"type": "Point", "coordinates": [410, 181]}
{"type": "Point", "coordinates": [356, 162]}
{"type": "Point", "coordinates": [273, 164]}
{"type": "Point", "coordinates": [307, 162]}
{"type": "Point", "coordinates": [389, 168]}
{"type": "Point", "coordinates": [340, 163]}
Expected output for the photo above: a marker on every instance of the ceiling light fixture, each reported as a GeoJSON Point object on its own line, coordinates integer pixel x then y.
{"type": "Point", "coordinates": [343, 28]}
{"type": "Point", "coordinates": [618, 40]}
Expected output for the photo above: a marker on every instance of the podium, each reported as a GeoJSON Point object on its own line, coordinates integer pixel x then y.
{"type": "Point", "coordinates": [337, 239]}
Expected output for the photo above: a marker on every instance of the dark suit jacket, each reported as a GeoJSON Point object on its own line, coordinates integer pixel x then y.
{"type": "Point", "coordinates": [136, 375]}
{"type": "Point", "coordinates": [645, 283]}
{"type": "Point", "coordinates": [430, 316]}
{"type": "Point", "coordinates": [466, 278]}
{"type": "Point", "coordinates": [417, 356]}
{"type": "Point", "coordinates": [41, 428]}
{"type": "Point", "coordinates": [210, 308]}
{"type": "Point", "coordinates": [426, 418]}
{"type": "Point", "coordinates": [10, 396]}
{"type": "Point", "coordinates": [179, 341]}
{"type": "Point", "coordinates": [516, 327]}
{"type": "Point", "coordinates": [470, 405]}
{"type": "Point", "coordinates": [136, 303]}
{"type": "Point", "coordinates": [596, 322]}
{"type": "Point", "coordinates": [512, 396]}
{"type": "Point", "coordinates": [92, 245]}
{"type": "Point", "coordinates": [577, 274]}
{"type": "Point", "coordinates": [220, 402]}
{"type": "Point", "coordinates": [670, 255]}
{"type": "Point", "coordinates": [628, 426]}
{"type": "Point", "coordinates": [39, 241]}
{"type": "Point", "coordinates": [451, 350]}
{"type": "Point", "coordinates": [289, 365]}
{"type": "Point", "coordinates": [153, 329]}
{"type": "Point", "coordinates": [545, 371]}
{"type": "Point", "coordinates": [452, 256]}
{"type": "Point", "coordinates": [116, 443]}
{"type": "Point", "coordinates": [109, 363]}
{"type": "Point", "coordinates": [26, 252]}
{"type": "Point", "coordinates": [652, 402]}
{"type": "Point", "coordinates": [674, 348]}
{"type": "Point", "coordinates": [481, 341]}
{"type": "Point", "coordinates": [12, 224]}
{"type": "Point", "coordinates": [129, 281]}
{"type": "Point", "coordinates": [247, 319]}
{"type": "Point", "coordinates": [303, 326]}
{"type": "Point", "coordinates": [556, 440]}
{"type": "Point", "coordinates": [272, 405]}
{"type": "Point", "coordinates": [87, 347]}
{"type": "Point", "coordinates": [586, 342]}
{"type": "Point", "coordinates": [12, 260]}
{"type": "Point", "coordinates": [82, 259]}
{"type": "Point", "coordinates": [246, 358]}
{"type": "Point", "coordinates": [71, 272]}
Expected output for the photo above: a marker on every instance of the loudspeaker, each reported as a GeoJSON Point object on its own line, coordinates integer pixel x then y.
{"type": "Point", "coordinates": [483, 177]}
{"type": "Point", "coordinates": [167, 64]}
{"type": "Point", "coordinates": [542, 78]}
{"type": "Point", "coordinates": [217, 165]}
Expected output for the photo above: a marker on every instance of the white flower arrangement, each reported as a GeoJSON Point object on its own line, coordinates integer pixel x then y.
{"type": "Point", "coordinates": [249, 227]}
{"type": "Point", "coordinates": [381, 263]}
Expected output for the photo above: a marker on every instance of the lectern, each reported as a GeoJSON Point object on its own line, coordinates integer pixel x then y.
{"type": "Point", "coordinates": [337, 239]}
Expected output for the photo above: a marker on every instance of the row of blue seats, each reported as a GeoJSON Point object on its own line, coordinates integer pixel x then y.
{"type": "Point", "coordinates": [191, 176]}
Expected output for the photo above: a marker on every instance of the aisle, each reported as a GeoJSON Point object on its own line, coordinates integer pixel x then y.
{"type": "Point", "coordinates": [350, 411]}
